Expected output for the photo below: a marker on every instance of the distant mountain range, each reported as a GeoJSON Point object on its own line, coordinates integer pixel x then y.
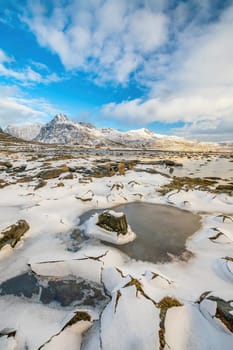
{"type": "Point", "coordinates": [61, 130]}
{"type": "Point", "coordinates": [25, 132]}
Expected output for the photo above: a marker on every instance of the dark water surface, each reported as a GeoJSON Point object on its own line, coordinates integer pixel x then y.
{"type": "Point", "coordinates": [64, 291]}
{"type": "Point", "coordinates": [161, 230]}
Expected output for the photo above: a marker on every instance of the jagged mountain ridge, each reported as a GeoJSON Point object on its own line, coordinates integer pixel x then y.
{"type": "Point", "coordinates": [25, 132]}
{"type": "Point", "coordinates": [64, 131]}
{"type": "Point", "coordinates": [61, 130]}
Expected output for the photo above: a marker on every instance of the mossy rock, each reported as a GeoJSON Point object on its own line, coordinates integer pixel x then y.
{"type": "Point", "coordinates": [228, 188]}
{"type": "Point", "coordinates": [3, 183]}
{"type": "Point", "coordinates": [113, 223]}
{"type": "Point", "coordinates": [12, 234]}
{"type": "Point", "coordinates": [187, 183]}
{"type": "Point", "coordinates": [53, 173]}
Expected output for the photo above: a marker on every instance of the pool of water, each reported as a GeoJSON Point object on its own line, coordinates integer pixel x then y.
{"type": "Point", "coordinates": [161, 230]}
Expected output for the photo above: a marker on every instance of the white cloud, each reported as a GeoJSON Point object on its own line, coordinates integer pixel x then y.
{"type": "Point", "coordinates": [196, 83]}
{"type": "Point", "coordinates": [108, 38]}
{"type": "Point", "coordinates": [25, 76]}
{"type": "Point", "coordinates": [181, 52]}
{"type": "Point", "coordinates": [207, 130]}
{"type": "Point", "coordinates": [15, 108]}
{"type": "Point", "coordinates": [12, 111]}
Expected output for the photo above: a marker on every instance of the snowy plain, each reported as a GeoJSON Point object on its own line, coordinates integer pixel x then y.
{"type": "Point", "coordinates": [173, 305]}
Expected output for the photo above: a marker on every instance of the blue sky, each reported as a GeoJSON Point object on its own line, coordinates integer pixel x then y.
{"type": "Point", "coordinates": [162, 64]}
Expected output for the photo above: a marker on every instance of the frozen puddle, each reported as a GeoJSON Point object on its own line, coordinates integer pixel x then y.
{"type": "Point", "coordinates": [161, 230]}
{"type": "Point", "coordinates": [65, 292]}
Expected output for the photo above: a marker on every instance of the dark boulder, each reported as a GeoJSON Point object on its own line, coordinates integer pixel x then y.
{"type": "Point", "coordinates": [114, 223]}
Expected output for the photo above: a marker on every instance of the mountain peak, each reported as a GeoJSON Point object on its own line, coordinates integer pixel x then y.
{"type": "Point", "coordinates": [60, 118]}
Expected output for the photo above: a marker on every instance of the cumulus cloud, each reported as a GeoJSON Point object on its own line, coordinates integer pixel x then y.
{"type": "Point", "coordinates": [195, 85]}
{"type": "Point", "coordinates": [107, 38]}
{"type": "Point", "coordinates": [180, 52]}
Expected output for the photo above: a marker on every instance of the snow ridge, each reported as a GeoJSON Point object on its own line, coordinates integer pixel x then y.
{"type": "Point", "coordinates": [61, 130]}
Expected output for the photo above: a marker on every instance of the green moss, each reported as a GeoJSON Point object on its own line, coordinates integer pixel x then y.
{"type": "Point", "coordinates": [187, 183]}
{"type": "Point", "coordinates": [168, 302]}
{"type": "Point", "coordinates": [79, 316]}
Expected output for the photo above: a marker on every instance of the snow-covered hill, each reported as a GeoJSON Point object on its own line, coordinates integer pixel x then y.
{"type": "Point", "coordinates": [25, 132]}
{"type": "Point", "coordinates": [61, 130]}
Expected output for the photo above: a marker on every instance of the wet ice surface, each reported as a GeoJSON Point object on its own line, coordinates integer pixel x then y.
{"type": "Point", "coordinates": [64, 291]}
{"type": "Point", "coordinates": [161, 230]}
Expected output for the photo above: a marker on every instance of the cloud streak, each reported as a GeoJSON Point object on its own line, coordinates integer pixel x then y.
{"type": "Point", "coordinates": [25, 76]}
{"type": "Point", "coordinates": [15, 108]}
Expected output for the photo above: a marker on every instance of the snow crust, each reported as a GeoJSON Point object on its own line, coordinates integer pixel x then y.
{"type": "Point", "coordinates": [131, 320]}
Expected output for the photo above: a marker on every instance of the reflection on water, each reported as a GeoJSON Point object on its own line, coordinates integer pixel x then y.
{"type": "Point", "coordinates": [160, 230]}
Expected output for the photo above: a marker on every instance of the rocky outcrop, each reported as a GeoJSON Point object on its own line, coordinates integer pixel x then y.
{"type": "Point", "coordinates": [13, 233]}
{"type": "Point", "coordinates": [3, 183]}
{"type": "Point", "coordinates": [113, 223]}
{"type": "Point", "coordinates": [41, 183]}
{"type": "Point", "coordinates": [5, 164]}
{"type": "Point", "coordinates": [53, 172]}
{"type": "Point", "coordinates": [215, 308]}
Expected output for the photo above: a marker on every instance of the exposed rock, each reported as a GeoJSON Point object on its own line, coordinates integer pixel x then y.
{"type": "Point", "coordinates": [41, 183]}
{"type": "Point", "coordinates": [118, 186]}
{"type": "Point", "coordinates": [3, 183]}
{"type": "Point", "coordinates": [53, 173]}
{"type": "Point", "coordinates": [167, 162]}
{"type": "Point", "coordinates": [78, 317]}
{"type": "Point", "coordinates": [85, 180]}
{"type": "Point", "coordinates": [187, 183]}
{"type": "Point", "coordinates": [165, 304]}
{"type": "Point", "coordinates": [25, 179]}
{"type": "Point", "coordinates": [19, 168]}
{"type": "Point", "coordinates": [6, 164]}
{"type": "Point", "coordinates": [121, 168]}
{"type": "Point", "coordinates": [109, 169]}
{"type": "Point", "coordinates": [223, 309]}
{"type": "Point", "coordinates": [110, 222]}
{"type": "Point", "coordinates": [9, 332]}
{"type": "Point", "coordinates": [88, 196]}
{"type": "Point", "coordinates": [224, 188]}
{"type": "Point", "coordinates": [12, 234]}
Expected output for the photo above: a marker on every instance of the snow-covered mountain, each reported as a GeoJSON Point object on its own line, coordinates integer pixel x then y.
{"type": "Point", "coordinates": [62, 130]}
{"type": "Point", "coordinates": [25, 132]}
